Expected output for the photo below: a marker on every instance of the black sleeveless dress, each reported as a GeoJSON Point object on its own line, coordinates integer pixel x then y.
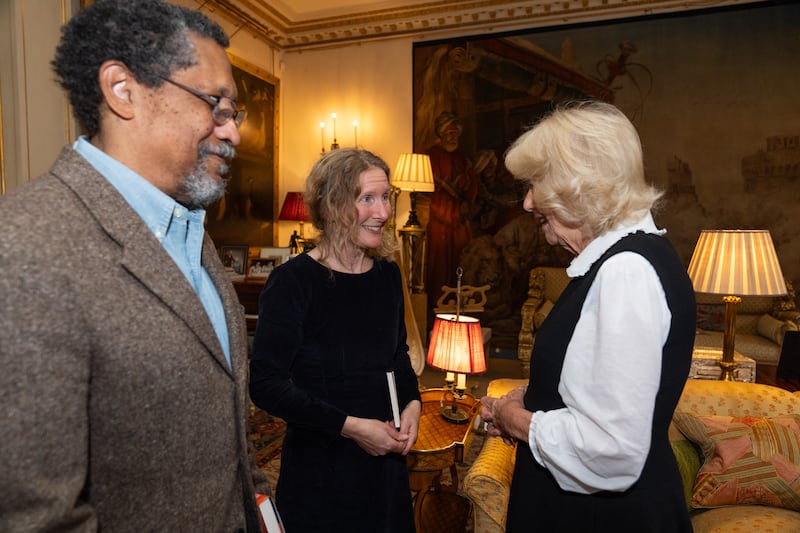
{"type": "Point", "coordinates": [655, 503]}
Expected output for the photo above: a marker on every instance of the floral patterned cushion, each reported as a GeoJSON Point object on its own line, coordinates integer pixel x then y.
{"type": "Point", "coordinates": [705, 397]}
{"type": "Point", "coordinates": [747, 459]}
{"type": "Point", "coordinates": [745, 519]}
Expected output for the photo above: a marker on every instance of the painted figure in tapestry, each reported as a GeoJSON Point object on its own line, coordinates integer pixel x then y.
{"type": "Point", "coordinates": [451, 204]}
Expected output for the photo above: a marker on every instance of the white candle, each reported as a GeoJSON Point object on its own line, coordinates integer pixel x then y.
{"type": "Point", "coordinates": [462, 382]}
{"type": "Point", "coordinates": [449, 377]}
{"type": "Point", "coordinates": [322, 135]}
{"type": "Point", "coordinates": [334, 126]}
{"type": "Point", "coordinates": [355, 133]}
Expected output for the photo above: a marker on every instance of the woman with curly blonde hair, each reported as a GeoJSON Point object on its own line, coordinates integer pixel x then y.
{"type": "Point", "coordinates": [330, 326]}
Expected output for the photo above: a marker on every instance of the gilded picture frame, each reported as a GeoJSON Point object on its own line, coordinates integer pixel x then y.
{"type": "Point", "coordinates": [246, 214]}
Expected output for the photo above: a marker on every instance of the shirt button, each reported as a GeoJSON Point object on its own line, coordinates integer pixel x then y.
{"type": "Point", "coordinates": [159, 235]}
{"type": "Point", "coordinates": [178, 212]}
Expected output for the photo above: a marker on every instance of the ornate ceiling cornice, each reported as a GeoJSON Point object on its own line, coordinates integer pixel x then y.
{"type": "Point", "coordinates": [437, 19]}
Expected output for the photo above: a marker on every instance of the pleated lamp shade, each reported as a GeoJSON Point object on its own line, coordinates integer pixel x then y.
{"type": "Point", "coordinates": [413, 173]}
{"type": "Point", "coordinates": [456, 345]}
{"type": "Point", "coordinates": [736, 263]}
{"type": "Point", "coordinates": [294, 208]}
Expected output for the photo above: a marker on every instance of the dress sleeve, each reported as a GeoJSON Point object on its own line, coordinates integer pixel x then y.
{"type": "Point", "coordinates": [609, 382]}
{"type": "Point", "coordinates": [283, 306]}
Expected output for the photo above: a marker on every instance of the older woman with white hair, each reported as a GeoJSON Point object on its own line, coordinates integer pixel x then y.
{"type": "Point", "coordinates": [610, 360]}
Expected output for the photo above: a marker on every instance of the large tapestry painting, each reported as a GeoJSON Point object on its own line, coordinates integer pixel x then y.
{"type": "Point", "coordinates": [715, 96]}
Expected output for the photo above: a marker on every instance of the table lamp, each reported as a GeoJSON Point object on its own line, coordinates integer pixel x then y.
{"type": "Point", "coordinates": [414, 174]}
{"type": "Point", "coordinates": [456, 346]}
{"type": "Point", "coordinates": [735, 263]}
{"type": "Point", "coordinates": [294, 209]}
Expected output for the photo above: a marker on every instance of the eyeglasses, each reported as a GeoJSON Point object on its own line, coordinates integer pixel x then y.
{"type": "Point", "coordinates": [221, 115]}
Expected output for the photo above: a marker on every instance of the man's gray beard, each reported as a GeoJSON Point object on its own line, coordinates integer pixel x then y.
{"type": "Point", "coordinates": [200, 188]}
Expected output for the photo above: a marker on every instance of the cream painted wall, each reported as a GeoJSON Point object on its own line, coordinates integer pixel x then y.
{"type": "Point", "coordinates": [243, 44]}
{"type": "Point", "coordinates": [35, 117]}
{"type": "Point", "coordinates": [371, 83]}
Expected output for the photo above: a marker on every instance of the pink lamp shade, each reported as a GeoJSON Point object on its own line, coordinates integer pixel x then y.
{"type": "Point", "coordinates": [294, 208]}
{"type": "Point", "coordinates": [457, 345]}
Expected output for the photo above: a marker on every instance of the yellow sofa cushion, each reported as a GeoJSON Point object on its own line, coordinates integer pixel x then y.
{"type": "Point", "coordinates": [707, 397]}
{"type": "Point", "coordinates": [745, 519]}
{"type": "Point", "coordinates": [747, 460]}
{"type": "Point", "coordinates": [488, 482]}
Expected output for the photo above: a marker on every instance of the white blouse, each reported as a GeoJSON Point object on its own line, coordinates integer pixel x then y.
{"type": "Point", "coordinates": [611, 374]}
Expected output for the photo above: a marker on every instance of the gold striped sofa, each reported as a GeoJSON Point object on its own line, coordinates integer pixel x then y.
{"type": "Point", "coordinates": [488, 481]}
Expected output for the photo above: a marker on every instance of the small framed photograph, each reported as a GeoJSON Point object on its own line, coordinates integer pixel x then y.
{"type": "Point", "coordinates": [259, 268]}
{"type": "Point", "coordinates": [234, 259]}
{"type": "Point", "coordinates": [281, 254]}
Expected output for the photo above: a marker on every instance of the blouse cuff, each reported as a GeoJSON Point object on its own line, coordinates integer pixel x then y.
{"type": "Point", "coordinates": [532, 437]}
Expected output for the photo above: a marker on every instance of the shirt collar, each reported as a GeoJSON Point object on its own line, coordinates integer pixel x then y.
{"type": "Point", "coordinates": [150, 203]}
{"type": "Point", "coordinates": [583, 261]}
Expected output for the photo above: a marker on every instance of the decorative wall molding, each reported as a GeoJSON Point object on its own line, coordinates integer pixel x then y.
{"type": "Point", "coordinates": [437, 19]}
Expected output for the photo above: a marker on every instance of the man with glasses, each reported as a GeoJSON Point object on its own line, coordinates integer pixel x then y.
{"type": "Point", "coordinates": [122, 343]}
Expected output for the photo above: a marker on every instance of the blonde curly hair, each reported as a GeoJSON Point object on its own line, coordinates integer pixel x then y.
{"type": "Point", "coordinates": [332, 187]}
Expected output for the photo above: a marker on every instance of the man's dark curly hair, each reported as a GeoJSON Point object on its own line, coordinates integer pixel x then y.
{"type": "Point", "coordinates": [150, 36]}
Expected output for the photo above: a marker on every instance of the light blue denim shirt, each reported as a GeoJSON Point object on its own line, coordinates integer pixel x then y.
{"type": "Point", "coordinates": [178, 229]}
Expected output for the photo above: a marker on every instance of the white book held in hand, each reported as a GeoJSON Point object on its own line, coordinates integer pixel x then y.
{"type": "Point", "coordinates": [393, 399]}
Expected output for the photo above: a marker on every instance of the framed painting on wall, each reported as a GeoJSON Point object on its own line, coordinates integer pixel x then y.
{"type": "Point", "coordinates": [245, 215]}
{"type": "Point", "coordinates": [712, 93]}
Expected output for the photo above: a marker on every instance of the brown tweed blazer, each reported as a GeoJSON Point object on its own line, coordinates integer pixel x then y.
{"type": "Point", "coordinates": [118, 409]}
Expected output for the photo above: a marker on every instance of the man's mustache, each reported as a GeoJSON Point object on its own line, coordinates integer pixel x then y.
{"type": "Point", "coordinates": [225, 150]}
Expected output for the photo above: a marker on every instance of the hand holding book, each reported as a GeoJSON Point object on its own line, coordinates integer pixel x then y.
{"type": "Point", "coordinates": [393, 399]}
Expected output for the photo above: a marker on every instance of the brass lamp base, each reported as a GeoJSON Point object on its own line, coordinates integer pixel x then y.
{"type": "Point", "coordinates": [727, 364]}
{"type": "Point", "coordinates": [452, 412]}
{"type": "Point", "coordinates": [727, 370]}
{"type": "Point", "coordinates": [454, 416]}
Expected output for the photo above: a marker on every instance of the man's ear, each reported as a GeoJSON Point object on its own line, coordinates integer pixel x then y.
{"type": "Point", "coordinates": [118, 87]}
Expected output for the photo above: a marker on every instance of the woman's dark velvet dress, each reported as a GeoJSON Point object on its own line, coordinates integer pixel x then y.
{"type": "Point", "coordinates": [655, 503]}
{"type": "Point", "coordinates": [323, 344]}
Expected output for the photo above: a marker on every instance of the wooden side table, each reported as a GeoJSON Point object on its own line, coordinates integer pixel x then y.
{"type": "Point", "coordinates": [440, 445]}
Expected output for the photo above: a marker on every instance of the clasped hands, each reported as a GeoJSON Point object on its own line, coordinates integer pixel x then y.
{"type": "Point", "coordinates": [506, 416]}
{"type": "Point", "coordinates": [377, 437]}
